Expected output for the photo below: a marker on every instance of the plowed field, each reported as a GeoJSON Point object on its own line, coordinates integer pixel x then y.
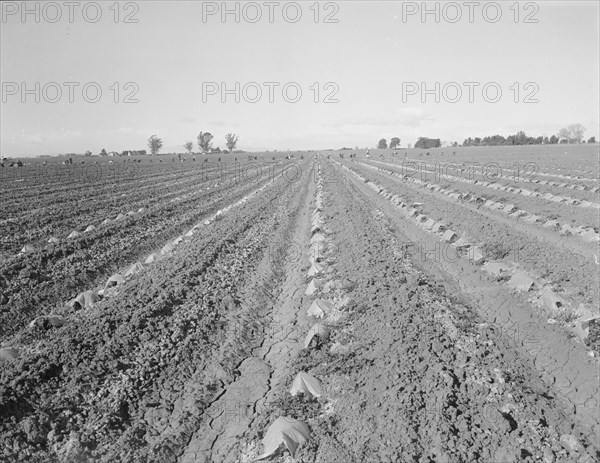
{"type": "Point", "coordinates": [319, 309]}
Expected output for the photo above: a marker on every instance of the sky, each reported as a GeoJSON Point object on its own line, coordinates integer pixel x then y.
{"type": "Point", "coordinates": [353, 72]}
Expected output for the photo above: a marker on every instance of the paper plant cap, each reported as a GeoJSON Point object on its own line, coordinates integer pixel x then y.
{"type": "Point", "coordinates": [315, 269]}
{"type": "Point", "coordinates": [319, 308]}
{"type": "Point", "coordinates": [287, 431]}
{"type": "Point", "coordinates": [9, 353]}
{"type": "Point", "coordinates": [152, 258]}
{"type": "Point", "coordinates": [167, 248]}
{"type": "Point", "coordinates": [584, 325]}
{"type": "Point", "coordinates": [313, 286]}
{"type": "Point", "coordinates": [306, 384]}
{"type": "Point", "coordinates": [135, 268]}
{"type": "Point", "coordinates": [27, 248]}
{"type": "Point", "coordinates": [84, 300]}
{"type": "Point", "coordinates": [116, 279]}
{"type": "Point", "coordinates": [319, 330]}
{"type": "Point", "coordinates": [317, 237]}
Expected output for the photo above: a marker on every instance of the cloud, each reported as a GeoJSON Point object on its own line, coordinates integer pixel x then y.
{"type": "Point", "coordinates": [188, 120]}
{"type": "Point", "coordinates": [217, 124]}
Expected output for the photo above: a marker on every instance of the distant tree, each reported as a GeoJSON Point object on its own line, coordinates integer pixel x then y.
{"type": "Point", "coordinates": [553, 140]}
{"type": "Point", "coordinates": [564, 133]}
{"type": "Point", "coordinates": [88, 153]}
{"type": "Point", "coordinates": [205, 142]}
{"type": "Point", "coordinates": [424, 142]}
{"type": "Point", "coordinates": [497, 140]}
{"type": "Point", "coordinates": [231, 140]}
{"type": "Point", "coordinates": [520, 138]}
{"type": "Point", "coordinates": [103, 152]}
{"type": "Point", "coordinates": [155, 144]}
{"type": "Point", "coordinates": [577, 131]}
{"type": "Point", "coordinates": [592, 140]}
{"type": "Point", "coordinates": [382, 144]}
{"type": "Point", "coordinates": [409, 145]}
{"type": "Point", "coordinates": [394, 142]}
{"type": "Point", "coordinates": [189, 146]}
{"type": "Point", "coordinates": [455, 144]}
{"type": "Point", "coordinates": [573, 133]}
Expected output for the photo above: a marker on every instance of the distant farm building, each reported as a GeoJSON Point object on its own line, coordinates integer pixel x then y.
{"type": "Point", "coordinates": [134, 153]}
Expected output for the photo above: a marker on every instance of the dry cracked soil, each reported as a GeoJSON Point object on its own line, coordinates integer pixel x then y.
{"type": "Point", "coordinates": [193, 358]}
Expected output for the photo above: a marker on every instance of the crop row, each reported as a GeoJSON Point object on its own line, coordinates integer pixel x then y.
{"type": "Point", "coordinates": [41, 278]}
{"type": "Point", "coordinates": [501, 241]}
{"type": "Point", "coordinates": [585, 232]}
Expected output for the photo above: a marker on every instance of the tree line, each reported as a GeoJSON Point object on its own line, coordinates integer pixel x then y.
{"type": "Point", "coordinates": [204, 141]}
{"type": "Point", "coordinates": [422, 142]}
{"type": "Point", "coordinates": [570, 134]}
